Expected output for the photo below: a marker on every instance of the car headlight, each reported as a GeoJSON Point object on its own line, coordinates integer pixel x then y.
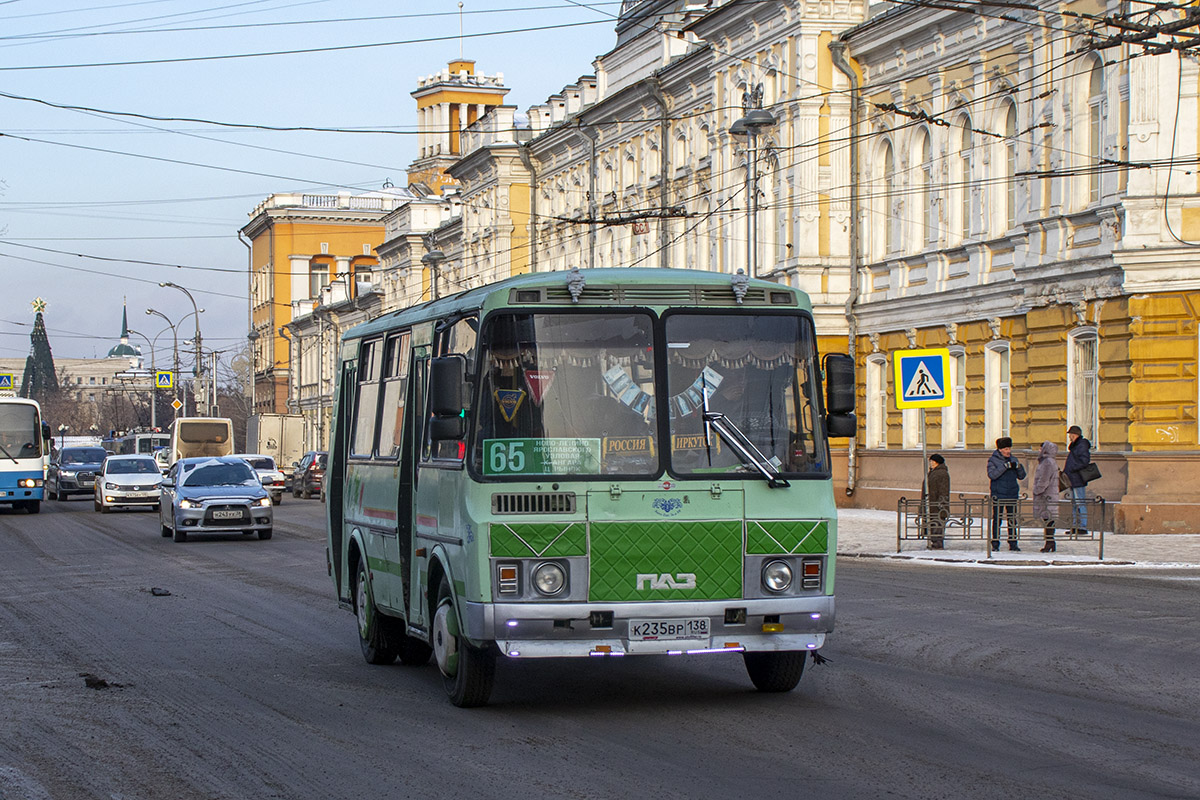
{"type": "Point", "coordinates": [777, 576]}
{"type": "Point", "coordinates": [185, 503]}
{"type": "Point", "coordinates": [549, 579]}
{"type": "Point", "coordinates": [66, 474]}
{"type": "Point", "coordinates": [110, 486]}
{"type": "Point", "coordinates": [265, 502]}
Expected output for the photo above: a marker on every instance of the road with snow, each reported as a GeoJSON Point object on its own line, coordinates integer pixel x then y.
{"type": "Point", "coordinates": [246, 681]}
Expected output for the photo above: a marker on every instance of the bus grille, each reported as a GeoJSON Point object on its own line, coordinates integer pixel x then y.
{"type": "Point", "coordinates": [533, 503]}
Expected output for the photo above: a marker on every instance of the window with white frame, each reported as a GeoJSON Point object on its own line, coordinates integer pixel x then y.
{"type": "Point", "coordinates": [965, 145]}
{"type": "Point", "coordinates": [910, 428]}
{"type": "Point", "coordinates": [1083, 381]}
{"type": "Point", "coordinates": [318, 278]}
{"type": "Point", "coordinates": [954, 416]}
{"type": "Point", "coordinates": [1010, 166]}
{"type": "Point", "coordinates": [877, 401]}
{"type": "Point", "coordinates": [1095, 104]}
{"type": "Point", "coordinates": [925, 223]}
{"type": "Point", "coordinates": [997, 376]}
{"type": "Point", "coordinates": [889, 218]}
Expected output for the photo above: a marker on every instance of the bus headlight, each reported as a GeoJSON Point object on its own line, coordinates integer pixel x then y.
{"type": "Point", "coordinates": [549, 579]}
{"type": "Point", "coordinates": [777, 576]}
{"type": "Point", "coordinates": [29, 483]}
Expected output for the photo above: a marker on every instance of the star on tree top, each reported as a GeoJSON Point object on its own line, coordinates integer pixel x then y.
{"type": "Point", "coordinates": [39, 305]}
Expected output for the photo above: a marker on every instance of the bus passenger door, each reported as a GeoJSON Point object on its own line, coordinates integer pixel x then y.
{"type": "Point", "coordinates": [337, 476]}
{"type": "Point", "coordinates": [422, 500]}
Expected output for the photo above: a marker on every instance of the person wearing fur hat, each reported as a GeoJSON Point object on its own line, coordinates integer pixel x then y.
{"type": "Point", "coordinates": [937, 494]}
{"type": "Point", "coordinates": [1045, 493]}
{"type": "Point", "coordinates": [1004, 471]}
{"type": "Point", "coordinates": [1079, 455]}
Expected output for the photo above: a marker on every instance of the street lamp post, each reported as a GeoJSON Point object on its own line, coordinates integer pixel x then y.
{"type": "Point", "coordinates": [199, 369]}
{"type": "Point", "coordinates": [756, 120]}
{"type": "Point", "coordinates": [153, 377]}
{"type": "Point", "coordinates": [432, 259]}
{"type": "Point", "coordinates": [174, 349]}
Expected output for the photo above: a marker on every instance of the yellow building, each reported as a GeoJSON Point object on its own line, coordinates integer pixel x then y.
{"type": "Point", "coordinates": [301, 245]}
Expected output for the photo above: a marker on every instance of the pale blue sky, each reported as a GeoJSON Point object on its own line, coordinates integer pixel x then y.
{"type": "Point", "coordinates": [60, 191]}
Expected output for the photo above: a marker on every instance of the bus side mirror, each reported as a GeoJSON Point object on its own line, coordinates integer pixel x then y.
{"type": "Point", "coordinates": [447, 378]}
{"type": "Point", "coordinates": [447, 428]}
{"type": "Point", "coordinates": [840, 422]}
{"type": "Point", "coordinates": [839, 384]}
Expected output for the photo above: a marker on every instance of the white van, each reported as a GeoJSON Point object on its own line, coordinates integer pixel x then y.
{"type": "Point", "coordinates": [201, 436]}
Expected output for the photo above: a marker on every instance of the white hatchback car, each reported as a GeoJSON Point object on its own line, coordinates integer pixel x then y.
{"type": "Point", "coordinates": [272, 479]}
{"type": "Point", "coordinates": [126, 481]}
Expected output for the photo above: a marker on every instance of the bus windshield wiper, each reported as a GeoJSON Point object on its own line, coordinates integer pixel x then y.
{"type": "Point", "coordinates": [10, 455]}
{"type": "Point", "coordinates": [745, 448]}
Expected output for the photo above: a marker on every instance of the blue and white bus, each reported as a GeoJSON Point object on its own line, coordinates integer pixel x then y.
{"type": "Point", "coordinates": [22, 452]}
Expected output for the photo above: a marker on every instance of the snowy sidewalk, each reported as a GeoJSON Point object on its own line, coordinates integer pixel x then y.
{"type": "Point", "coordinates": [871, 533]}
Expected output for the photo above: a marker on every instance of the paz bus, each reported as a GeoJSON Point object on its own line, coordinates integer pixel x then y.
{"type": "Point", "coordinates": [23, 451]}
{"type": "Point", "coordinates": [593, 463]}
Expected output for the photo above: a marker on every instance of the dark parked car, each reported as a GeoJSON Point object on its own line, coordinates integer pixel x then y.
{"type": "Point", "coordinates": [220, 494]}
{"type": "Point", "coordinates": [73, 471]}
{"type": "Point", "coordinates": [310, 471]}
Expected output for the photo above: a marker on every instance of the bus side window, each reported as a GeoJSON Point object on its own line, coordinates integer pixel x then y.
{"type": "Point", "coordinates": [421, 402]}
{"type": "Point", "coordinates": [395, 389]}
{"type": "Point", "coordinates": [366, 399]}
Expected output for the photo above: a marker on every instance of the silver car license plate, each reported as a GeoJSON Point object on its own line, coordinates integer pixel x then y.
{"type": "Point", "coordinates": [227, 514]}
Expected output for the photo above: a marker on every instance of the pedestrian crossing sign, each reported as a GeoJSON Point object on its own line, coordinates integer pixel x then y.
{"type": "Point", "coordinates": [921, 377]}
{"type": "Point", "coordinates": [6, 381]}
{"type": "Point", "coordinates": [164, 379]}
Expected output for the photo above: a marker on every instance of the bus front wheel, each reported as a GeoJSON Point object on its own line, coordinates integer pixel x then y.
{"type": "Point", "coordinates": [775, 672]}
{"type": "Point", "coordinates": [33, 506]}
{"type": "Point", "coordinates": [371, 636]}
{"type": "Point", "coordinates": [468, 672]}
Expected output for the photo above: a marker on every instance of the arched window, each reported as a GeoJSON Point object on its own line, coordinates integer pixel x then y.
{"type": "Point", "coordinates": [887, 213]}
{"type": "Point", "coordinates": [963, 178]}
{"type": "Point", "coordinates": [877, 398]}
{"type": "Point", "coordinates": [1094, 129]}
{"type": "Point", "coordinates": [1010, 166]}
{"type": "Point", "coordinates": [925, 222]}
{"type": "Point", "coordinates": [1083, 381]}
{"type": "Point", "coordinates": [997, 376]}
{"type": "Point", "coordinates": [954, 416]}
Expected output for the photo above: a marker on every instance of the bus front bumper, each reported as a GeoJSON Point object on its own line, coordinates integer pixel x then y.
{"type": "Point", "coordinates": [558, 630]}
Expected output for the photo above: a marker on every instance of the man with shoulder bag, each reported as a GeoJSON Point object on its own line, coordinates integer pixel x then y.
{"type": "Point", "coordinates": [1079, 470]}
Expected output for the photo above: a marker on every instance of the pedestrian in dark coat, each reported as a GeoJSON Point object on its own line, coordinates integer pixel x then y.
{"type": "Point", "coordinates": [937, 495]}
{"type": "Point", "coordinates": [1045, 493]}
{"type": "Point", "coordinates": [1005, 472]}
{"type": "Point", "coordinates": [1079, 455]}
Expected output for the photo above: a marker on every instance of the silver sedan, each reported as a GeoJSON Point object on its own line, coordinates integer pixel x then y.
{"type": "Point", "coordinates": [214, 495]}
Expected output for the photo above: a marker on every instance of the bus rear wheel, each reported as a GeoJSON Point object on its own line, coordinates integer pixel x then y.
{"type": "Point", "coordinates": [371, 636]}
{"type": "Point", "coordinates": [468, 672]}
{"type": "Point", "coordinates": [775, 672]}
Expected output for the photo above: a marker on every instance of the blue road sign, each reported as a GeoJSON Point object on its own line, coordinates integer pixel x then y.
{"type": "Point", "coordinates": [164, 380]}
{"type": "Point", "coordinates": [6, 381]}
{"type": "Point", "coordinates": [921, 377]}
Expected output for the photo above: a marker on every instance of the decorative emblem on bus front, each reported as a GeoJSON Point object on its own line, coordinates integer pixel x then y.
{"type": "Point", "coordinates": [667, 506]}
{"type": "Point", "coordinates": [653, 581]}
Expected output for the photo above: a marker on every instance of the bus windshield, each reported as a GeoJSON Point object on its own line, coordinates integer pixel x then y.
{"type": "Point", "coordinates": [759, 372]}
{"type": "Point", "coordinates": [567, 394]}
{"type": "Point", "coordinates": [19, 434]}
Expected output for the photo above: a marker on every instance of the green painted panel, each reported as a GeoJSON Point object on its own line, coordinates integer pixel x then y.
{"type": "Point", "coordinates": [543, 539]}
{"type": "Point", "coordinates": [665, 554]}
{"type": "Point", "coordinates": [777, 537]}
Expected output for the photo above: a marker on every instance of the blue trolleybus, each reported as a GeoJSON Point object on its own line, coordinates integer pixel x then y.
{"type": "Point", "coordinates": [599, 463]}
{"type": "Point", "coordinates": [22, 451]}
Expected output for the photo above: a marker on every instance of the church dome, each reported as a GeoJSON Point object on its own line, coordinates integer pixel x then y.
{"type": "Point", "coordinates": [123, 350]}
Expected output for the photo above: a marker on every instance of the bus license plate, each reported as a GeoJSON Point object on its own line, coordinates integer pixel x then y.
{"type": "Point", "coordinates": [224, 514]}
{"type": "Point", "coordinates": [650, 630]}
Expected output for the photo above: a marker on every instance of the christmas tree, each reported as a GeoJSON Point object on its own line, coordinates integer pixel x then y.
{"type": "Point", "coordinates": [41, 381]}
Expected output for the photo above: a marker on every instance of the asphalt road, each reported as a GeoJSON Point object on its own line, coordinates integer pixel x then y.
{"type": "Point", "coordinates": [246, 682]}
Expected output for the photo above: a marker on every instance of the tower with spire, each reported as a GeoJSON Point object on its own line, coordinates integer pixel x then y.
{"type": "Point", "coordinates": [123, 349]}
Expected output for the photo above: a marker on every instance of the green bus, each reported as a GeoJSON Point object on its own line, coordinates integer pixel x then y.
{"type": "Point", "coordinates": [590, 463]}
